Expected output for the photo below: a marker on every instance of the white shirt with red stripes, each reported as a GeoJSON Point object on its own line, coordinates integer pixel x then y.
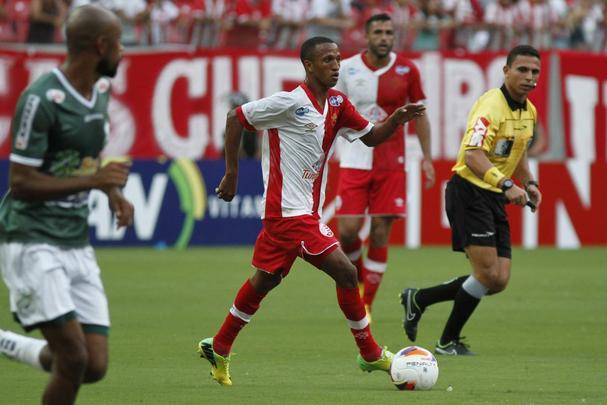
{"type": "Point", "coordinates": [377, 93]}
{"type": "Point", "coordinates": [298, 141]}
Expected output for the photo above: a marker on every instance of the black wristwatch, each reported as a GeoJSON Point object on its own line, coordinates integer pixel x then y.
{"type": "Point", "coordinates": [507, 184]}
{"type": "Point", "coordinates": [532, 183]}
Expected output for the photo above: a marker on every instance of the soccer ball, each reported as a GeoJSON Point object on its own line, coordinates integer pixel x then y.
{"type": "Point", "coordinates": [414, 368]}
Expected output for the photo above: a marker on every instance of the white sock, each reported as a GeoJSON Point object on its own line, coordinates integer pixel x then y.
{"type": "Point", "coordinates": [22, 348]}
{"type": "Point", "coordinates": [474, 287]}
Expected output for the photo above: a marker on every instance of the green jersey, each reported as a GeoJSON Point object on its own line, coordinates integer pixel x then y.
{"type": "Point", "coordinates": [61, 133]}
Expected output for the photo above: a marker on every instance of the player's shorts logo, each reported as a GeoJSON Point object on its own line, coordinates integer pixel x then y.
{"type": "Point", "coordinates": [336, 101]}
{"type": "Point", "coordinates": [325, 230]}
{"type": "Point", "coordinates": [301, 111]}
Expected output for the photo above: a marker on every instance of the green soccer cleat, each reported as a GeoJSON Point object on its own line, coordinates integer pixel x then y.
{"type": "Point", "coordinates": [220, 366]}
{"type": "Point", "coordinates": [381, 364]}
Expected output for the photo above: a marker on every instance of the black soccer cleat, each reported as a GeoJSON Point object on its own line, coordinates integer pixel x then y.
{"type": "Point", "coordinates": [413, 313]}
{"type": "Point", "coordinates": [454, 348]}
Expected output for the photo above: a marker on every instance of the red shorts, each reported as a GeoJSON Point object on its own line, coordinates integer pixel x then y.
{"type": "Point", "coordinates": [381, 191]}
{"type": "Point", "coordinates": [281, 240]}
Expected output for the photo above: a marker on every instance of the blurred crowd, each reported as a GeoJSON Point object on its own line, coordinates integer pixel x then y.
{"type": "Point", "coordinates": [473, 25]}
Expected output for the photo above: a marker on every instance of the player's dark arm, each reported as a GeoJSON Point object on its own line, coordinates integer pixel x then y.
{"type": "Point", "coordinates": [227, 188]}
{"type": "Point", "coordinates": [386, 128]}
{"type": "Point", "coordinates": [28, 183]}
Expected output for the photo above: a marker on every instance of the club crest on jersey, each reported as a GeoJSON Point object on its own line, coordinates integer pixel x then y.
{"type": "Point", "coordinates": [352, 71]}
{"type": "Point", "coordinates": [55, 95]}
{"type": "Point", "coordinates": [301, 111]}
{"type": "Point", "coordinates": [325, 230]}
{"type": "Point", "coordinates": [336, 101]}
{"type": "Point", "coordinates": [103, 85]}
{"type": "Point", "coordinates": [402, 70]}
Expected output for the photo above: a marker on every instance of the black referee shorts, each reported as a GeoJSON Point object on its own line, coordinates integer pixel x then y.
{"type": "Point", "coordinates": [477, 217]}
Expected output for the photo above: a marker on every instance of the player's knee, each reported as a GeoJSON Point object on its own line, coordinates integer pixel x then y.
{"type": "Point", "coordinates": [95, 371]}
{"type": "Point", "coordinates": [348, 236]}
{"type": "Point", "coordinates": [348, 275]}
{"type": "Point", "coordinates": [72, 361]}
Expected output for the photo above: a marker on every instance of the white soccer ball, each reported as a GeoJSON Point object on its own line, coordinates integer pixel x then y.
{"type": "Point", "coordinates": [414, 368]}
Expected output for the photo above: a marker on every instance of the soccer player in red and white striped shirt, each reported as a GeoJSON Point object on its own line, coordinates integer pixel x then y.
{"type": "Point", "coordinates": [300, 131]}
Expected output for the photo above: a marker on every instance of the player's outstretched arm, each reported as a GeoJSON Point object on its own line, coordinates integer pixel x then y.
{"type": "Point", "coordinates": [28, 183]}
{"type": "Point", "coordinates": [227, 187]}
{"type": "Point", "coordinates": [385, 129]}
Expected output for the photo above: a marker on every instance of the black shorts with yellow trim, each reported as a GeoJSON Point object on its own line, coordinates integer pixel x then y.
{"type": "Point", "coordinates": [477, 217]}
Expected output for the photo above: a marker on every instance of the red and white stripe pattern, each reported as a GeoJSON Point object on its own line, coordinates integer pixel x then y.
{"type": "Point", "coordinates": [298, 141]}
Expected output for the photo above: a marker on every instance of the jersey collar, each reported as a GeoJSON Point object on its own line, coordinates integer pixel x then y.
{"type": "Point", "coordinates": [512, 103]}
{"type": "Point", "coordinates": [63, 80]}
{"type": "Point", "coordinates": [312, 99]}
{"type": "Point", "coordinates": [381, 70]}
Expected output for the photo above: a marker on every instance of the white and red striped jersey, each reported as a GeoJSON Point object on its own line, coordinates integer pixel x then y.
{"type": "Point", "coordinates": [376, 93]}
{"type": "Point", "coordinates": [297, 144]}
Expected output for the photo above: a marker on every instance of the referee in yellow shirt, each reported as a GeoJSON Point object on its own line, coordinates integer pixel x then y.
{"type": "Point", "coordinates": [493, 149]}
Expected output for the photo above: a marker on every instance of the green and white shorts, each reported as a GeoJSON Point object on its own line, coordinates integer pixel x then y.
{"type": "Point", "coordinates": [49, 284]}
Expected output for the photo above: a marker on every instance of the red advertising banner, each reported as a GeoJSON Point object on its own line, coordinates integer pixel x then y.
{"type": "Point", "coordinates": [174, 104]}
{"type": "Point", "coordinates": [573, 212]}
{"type": "Point", "coordinates": [583, 82]}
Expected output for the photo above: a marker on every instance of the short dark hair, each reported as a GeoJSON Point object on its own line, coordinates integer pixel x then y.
{"type": "Point", "coordinates": [524, 50]}
{"type": "Point", "coordinates": [309, 45]}
{"type": "Point", "coordinates": [376, 17]}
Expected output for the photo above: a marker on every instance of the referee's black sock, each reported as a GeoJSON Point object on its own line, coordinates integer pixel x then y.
{"type": "Point", "coordinates": [439, 293]}
{"type": "Point", "coordinates": [465, 302]}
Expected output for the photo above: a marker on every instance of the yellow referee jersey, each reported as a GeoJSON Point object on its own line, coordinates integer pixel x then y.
{"type": "Point", "coordinates": [503, 128]}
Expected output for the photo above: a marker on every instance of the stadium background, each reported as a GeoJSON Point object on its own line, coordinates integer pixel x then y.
{"type": "Point", "coordinates": [168, 114]}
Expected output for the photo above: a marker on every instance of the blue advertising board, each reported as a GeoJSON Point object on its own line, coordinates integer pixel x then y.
{"type": "Point", "coordinates": [176, 206]}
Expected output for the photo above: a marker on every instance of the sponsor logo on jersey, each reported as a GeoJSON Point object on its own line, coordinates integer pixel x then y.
{"type": "Point", "coordinates": [27, 119]}
{"type": "Point", "coordinates": [310, 127]}
{"type": "Point", "coordinates": [336, 101]}
{"type": "Point", "coordinates": [93, 117]}
{"type": "Point", "coordinates": [325, 230]}
{"type": "Point", "coordinates": [402, 70]}
{"type": "Point", "coordinates": [55, 95]}
{"type": "Point", "coordinates": [103, 85]}
{"type": "Point", "coordinates": [479, 131]}
{"type": "Point", "coordinates": [314, 172]}
{"type": "Point", "coordinates": [301, 111]}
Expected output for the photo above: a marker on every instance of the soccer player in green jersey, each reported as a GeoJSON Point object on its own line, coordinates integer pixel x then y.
{"type": "Point", "coordinates": [59, 128]}
{"type": "Point", "coordinates": [493, 149]}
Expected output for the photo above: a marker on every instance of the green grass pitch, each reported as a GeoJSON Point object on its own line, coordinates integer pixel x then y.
{"type": "Point", "coordinates": [542, 341]}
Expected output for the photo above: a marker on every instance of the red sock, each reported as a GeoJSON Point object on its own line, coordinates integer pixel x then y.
{"type": "Point", "coordinates": [354, 253]}
{"type": "Point", "coordinates": [245, 305]}
{"type": "Point", "coordinates": [354, 310]}
{"type": "Point", "coordinates": [375, 266]}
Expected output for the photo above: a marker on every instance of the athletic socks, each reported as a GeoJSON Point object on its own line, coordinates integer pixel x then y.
{"type": "Point", "coordinates": [245, 305]}
{"type": "Point", "coordinates": [439, 293]}
{"type": "Point", "coordinates": [21, 348]}
{"type": "Point", "coordinates": [466, 301]}
{"type": "Point", "coordinates": [375, 267]}
{"type": "Point", "coordinates": [354, 310]}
